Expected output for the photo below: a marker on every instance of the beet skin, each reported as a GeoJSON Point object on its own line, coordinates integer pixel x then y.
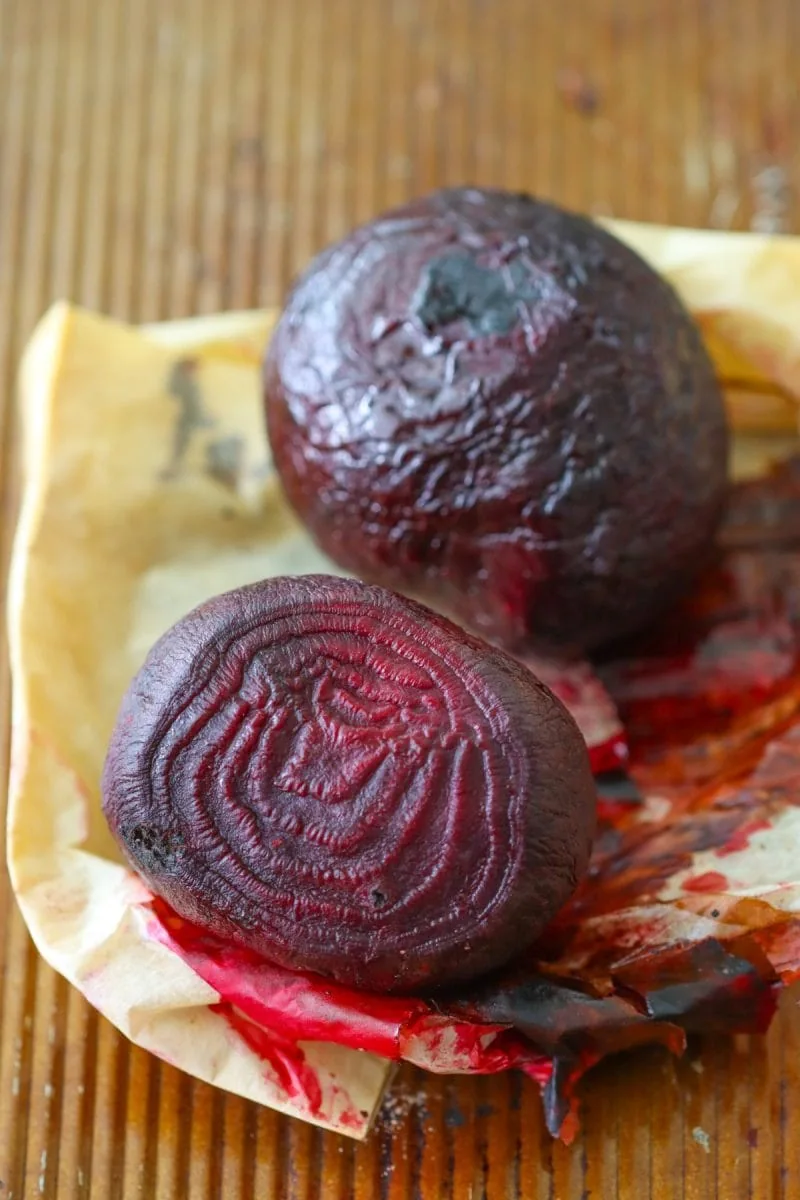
{"type": "Point", "coordinates": [494, 404]}
{"type": "Point", "coordinates": [348, 783]}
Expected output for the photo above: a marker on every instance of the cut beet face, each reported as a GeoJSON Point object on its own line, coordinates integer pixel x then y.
{"type": "Point", "coordinates": [491, 403]}
{"type": "Point", "coordinates": [347, 783]}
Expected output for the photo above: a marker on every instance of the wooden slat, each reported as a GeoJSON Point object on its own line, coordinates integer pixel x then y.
{"type": "Point", "coordinates": [164, 157]}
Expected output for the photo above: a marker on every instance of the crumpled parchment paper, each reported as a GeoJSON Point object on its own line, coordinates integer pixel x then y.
{"type": "Point", "coordinates": [147, 489]}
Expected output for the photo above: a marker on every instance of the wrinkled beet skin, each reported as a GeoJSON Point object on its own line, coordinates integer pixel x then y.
{"type": "Point", "coordinates": [483, 400]}
{"type": "Point", "coordinates": [347, 783]}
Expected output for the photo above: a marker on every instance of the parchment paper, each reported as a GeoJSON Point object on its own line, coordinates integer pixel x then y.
{"type": "Point", "coordinates": [147, 489]}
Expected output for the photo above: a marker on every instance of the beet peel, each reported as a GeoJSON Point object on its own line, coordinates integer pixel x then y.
{"type": "Point", "coordinates": [493, 404]}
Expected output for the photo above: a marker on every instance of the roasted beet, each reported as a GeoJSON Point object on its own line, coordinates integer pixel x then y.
{"type": "Point", "coordinates": [347, 783]}
{"type": "Point", "coordinates": [492, 403]}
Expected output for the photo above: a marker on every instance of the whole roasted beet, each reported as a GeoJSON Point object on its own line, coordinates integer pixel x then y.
{"type": "Point", "coordinates": [492, 403]}
{"type": "Point", "coordinates": [347, 783]}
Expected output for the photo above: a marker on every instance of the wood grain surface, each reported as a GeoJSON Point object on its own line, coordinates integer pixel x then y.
{"type": "Point", "coordinates": [160, 158]}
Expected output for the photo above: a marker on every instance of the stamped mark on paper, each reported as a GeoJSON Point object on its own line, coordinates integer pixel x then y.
{"type": "Point", "coordinates": [225, 453]}
{"type": "Point", "coordinates": [183, 385]}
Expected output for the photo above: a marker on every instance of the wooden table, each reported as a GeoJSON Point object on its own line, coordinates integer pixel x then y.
{"type": "Point", "coordinates": [165, 157]}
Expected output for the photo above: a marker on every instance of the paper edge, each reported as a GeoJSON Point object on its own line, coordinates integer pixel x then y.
{"type": "Point", "coordinates": [35, 391]}
{"type": "Point", "coordinates": [190, 332]}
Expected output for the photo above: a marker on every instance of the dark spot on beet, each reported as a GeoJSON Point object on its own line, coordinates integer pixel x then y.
{"type": "Point", "coordinates": [489, 402]}
{"type": "Point", "coordinates": [154, 849]}
{"type": "Point", "coordinates": [456, 288]}
{"type": "Point", "coordinates": [305, 740]}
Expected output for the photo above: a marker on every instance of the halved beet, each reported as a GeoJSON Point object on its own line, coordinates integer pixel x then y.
{"type": "Point", "coordinates": [348, 783]}
{"type": "Point", "coordinates": [494, 404]}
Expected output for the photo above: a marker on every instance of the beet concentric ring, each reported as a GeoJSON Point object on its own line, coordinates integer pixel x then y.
{"type": "Point", "coordinates": [346, 782]}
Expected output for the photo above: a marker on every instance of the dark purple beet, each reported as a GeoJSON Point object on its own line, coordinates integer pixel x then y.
{"type": "Point", "coordinates": [492, 403]}
{"type": "Point", "coordinates": [348, 783]}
